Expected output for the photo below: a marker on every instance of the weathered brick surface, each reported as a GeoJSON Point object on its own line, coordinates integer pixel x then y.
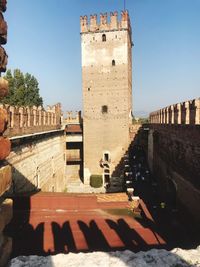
{"type": "Point", "coordinates": [5, 179]}
{"type": "Point", "coordinates": [107, 91]}
{"type": "Point", "coordinates": [176, 158]}
{"type": "Point", "coordinates": [28, 120]}
{"type": "Point", "coordinates": [5, 147]}
{"type": "Point", "coordinates": [179, 148]}
{"type": "Point", "coordinates": [6, 213]}
{"type": "Point", "coordinates": [38, 162]}
{"type": "Point", "coordinates": [5, 251]}
{"type": "Point", "coordinates": [18, 131]}
{"type": "Point", "coordinates": [3, 59]}
{"type": "Point", "coordinates": [187, 112]}
{"type": "Point", "coordinates": [3, 87]}
{"type": "Point", "coordinates": [3, 120]}
{"type": "Point", "coordinates": [3, 4]}
{"type": "Point", "coordinates": [3, 30]}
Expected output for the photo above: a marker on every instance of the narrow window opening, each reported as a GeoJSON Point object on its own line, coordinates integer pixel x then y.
{"type": "Point", "coordinates": [113, 62]}
{"type": "Point", "coordinates": [103, 38]}
{"type": "Point", "coordinates": [104, 109]}
{"type": "Point", "coordinates": [106, 156]}
{"type": "Point", "coordinates": [88, 89]}
{"type": "Point", "coordinates": [107, 178]}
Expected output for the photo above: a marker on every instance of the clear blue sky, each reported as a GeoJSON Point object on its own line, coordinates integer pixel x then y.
{"type": "Point", "coordinates": [44, 40]}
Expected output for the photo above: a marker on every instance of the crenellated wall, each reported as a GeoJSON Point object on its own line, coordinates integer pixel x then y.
{"type": "Point", "coordinates": [73, 118]}
{"type": "Point", "coordinates": [104, 25]}
{"type": "Point", "coordinates": [174, 154]}
{"type": "Point", "coordinates": [27, 120]}
{"type": "Point", "coordinates": [187, 112]}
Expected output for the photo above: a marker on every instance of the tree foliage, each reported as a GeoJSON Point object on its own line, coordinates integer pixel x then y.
{"type": "Point", "coordinates": [23, 89]}
{"type": "Point", "coordinates": [140, 120]}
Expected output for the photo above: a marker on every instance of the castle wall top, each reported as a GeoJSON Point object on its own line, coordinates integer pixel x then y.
{"type": "Point", "coordinates": [187, 112]}
{"type": "Point", "coordinates": [73, 118]}
{"type": "Point", "coordinates": [114, 24]}
{"type": "Point", "coordinates": [26, 120]}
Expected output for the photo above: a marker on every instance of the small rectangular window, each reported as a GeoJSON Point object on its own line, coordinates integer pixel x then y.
{"type": "Point", "coordinates": [104, 109]}
{"type": "Point", "coordinates": [106, 156]}
{"type": "Point", "coordinates": [103, 38]}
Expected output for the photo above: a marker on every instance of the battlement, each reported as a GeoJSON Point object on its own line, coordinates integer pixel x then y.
{"type": "Point", "coordinates": [26, 120]}
{"type": "Point", "coordinates": [187, 112]}
{"type": "Point", "coordinates": [105, 25]}
{"type": "Point", "coordinates": [73, 117]}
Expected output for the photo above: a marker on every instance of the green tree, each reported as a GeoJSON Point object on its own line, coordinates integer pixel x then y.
{"type": "Point", "coordinates": [23, 89]}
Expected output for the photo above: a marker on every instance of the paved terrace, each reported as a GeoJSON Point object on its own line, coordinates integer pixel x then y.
{"type": "Point", "coordinates": [51, 223]}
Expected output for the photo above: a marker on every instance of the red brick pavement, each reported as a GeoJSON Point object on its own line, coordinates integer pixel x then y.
{"type": "Point", "coordinates": [47, 223]}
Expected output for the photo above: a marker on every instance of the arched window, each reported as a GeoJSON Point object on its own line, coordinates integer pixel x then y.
{"type": "Point", "coordinates": [113, 62]}
{"type": "Point", "coordinates": [103, 38]}
{"type": "Point", "coordinates": [106, 156]}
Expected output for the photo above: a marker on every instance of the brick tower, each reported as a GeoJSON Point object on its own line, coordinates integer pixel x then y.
{"type": "Point", "coordinates": [107, 91]}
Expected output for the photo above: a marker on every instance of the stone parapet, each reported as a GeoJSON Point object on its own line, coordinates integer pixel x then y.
{"type": "Point", "coordinates": [187, 112]}
{"type": "Point", "coordinates": [5, 179]}
{"type": "Point", "coordinates": [26, 120]}
{"type": "Point", "coordinates": [5, 146]}
{"type": "Point", "coordinates": [104, 25]}
{"type": "Point", "coordinates": [3, 120]}
{"type": "Point", "coordinates": [38, 162]}
{"type": "Point", "coordinates": [5, 250]}
{"type": "Point", "coordinates": [6, 213]}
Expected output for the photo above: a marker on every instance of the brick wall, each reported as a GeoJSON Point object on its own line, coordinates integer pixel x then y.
{"type": "Point", "coordinates": [28, 120]}
{"type": "Point", "coordinates": [107, 91]}
{"type": "Point", "coordinates": [174, 155]}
